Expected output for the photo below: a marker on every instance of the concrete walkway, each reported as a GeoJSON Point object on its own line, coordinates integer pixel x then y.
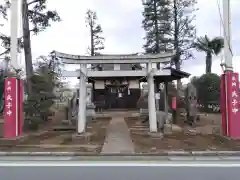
{"type": "Point", "coordinates": [118, 138]}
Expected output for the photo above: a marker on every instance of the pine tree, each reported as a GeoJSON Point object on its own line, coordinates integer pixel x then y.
{"type": "Point", "coordinates": [157, 24]}
{"type": "Point", "coordinates": [44, 81]}
{"type": "Point", "coordinates": [169, 26]}
{"type": "Point", "coordinates": [97, 41]}
{"type": "Point", "coordinates": [183, 31]}
{"type": "Point", "coordinates": [175, 17]}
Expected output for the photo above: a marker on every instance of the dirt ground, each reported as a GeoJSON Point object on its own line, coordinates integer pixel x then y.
{"type": "Point", "coordinates": [203, 136]}
{"type": "Point", "coordinates": [52, 138]}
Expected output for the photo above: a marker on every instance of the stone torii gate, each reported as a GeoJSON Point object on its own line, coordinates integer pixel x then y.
{"type": "Point", "coordinates": [85, 73]}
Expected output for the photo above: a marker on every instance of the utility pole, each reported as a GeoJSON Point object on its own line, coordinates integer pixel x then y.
{"type": "Point", "coordinates": [13, 87]}
{"type": "Point", "coordinates": [14, 34]}
{"type": "Point", "coordinates": [227, 57]}
{"type": "Point", "coordinates": [230, 81]}
{"type": "Point", "coordinates": [227, 35]}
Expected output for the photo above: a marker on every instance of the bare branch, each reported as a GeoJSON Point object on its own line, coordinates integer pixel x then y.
{"type": "Point", "coordinates": [32, 2]}
{"type": "Point", "coordinates": [5, 52]}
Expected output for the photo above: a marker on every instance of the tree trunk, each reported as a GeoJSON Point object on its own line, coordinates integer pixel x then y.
{"type": "Point", "coordinates": [157, 50]}
{"type": "Point", "coordinates": [209, 63]}
{"type": "Point", "coordinates": [178, 67]}
{"type": "Point", "coordinates": [6, 65]}
{"type": "Point", "coordinates": [176, 42]}
{"type": "Point", "coordinates": [92, 41]}
{"type": "Point", "coordinates": [179, 86]}
{"type": "Point", "coordinates": [177, 56]}
{"type": "Point", "coordinates": [27, 46]}
{"type": "Point", "coordinates": [156, 30]}
{"type": "Point", "coordinates": [92, 50]}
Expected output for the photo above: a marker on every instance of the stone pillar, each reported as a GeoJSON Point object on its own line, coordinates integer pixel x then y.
{"type": "Point", "coordinates": [81, 125]}
{"type": "Point", "coordinates": [89, 94]}
{"type": "Point", "coordinates": [145, 88]}
{"type": "Point", "coordinates": [90, 105]}
{"type": "Point", "coordinates": [191, 103]}
{"type": "Point", "coordinates": [151, 100]}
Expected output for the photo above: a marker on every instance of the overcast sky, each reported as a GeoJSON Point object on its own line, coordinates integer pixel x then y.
{"type": "Point", "coordinates": [121, 23]}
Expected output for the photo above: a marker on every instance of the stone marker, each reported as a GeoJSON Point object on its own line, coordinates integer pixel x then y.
{"type": "Point", "coordinates": [191, 104]}
{"type": "Point", "coordinates": [90, 105]}
{"type": "Point", "coordinates": [73, 106]}
{"type": "Point", "coordinates": [162, 117]}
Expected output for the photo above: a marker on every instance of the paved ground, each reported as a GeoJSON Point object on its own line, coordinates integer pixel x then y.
{"type": "Point", "coordinates": [118, 138]}
{"type": "Point", "coordinates": [120, 159]}
{"type": "Point", "coordinates": [173, 171]}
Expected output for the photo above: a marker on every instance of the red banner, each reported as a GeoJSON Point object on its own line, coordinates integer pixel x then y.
{"type": "Point", "coordinates": [13, 108]}
{"type": "Point", "coordinates": [10, 109]}
{"type": "Point", "coordinates": [234, 114]}
{"type": "Point", "coordinates": [230, 105]}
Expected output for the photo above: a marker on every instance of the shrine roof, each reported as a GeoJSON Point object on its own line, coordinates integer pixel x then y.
{"type": "Point", "coordinates": [175, 75]}
{"type": "Point", "coordinates": [178, 73]}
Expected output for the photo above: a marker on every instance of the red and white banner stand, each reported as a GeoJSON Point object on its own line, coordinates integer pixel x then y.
{"type": "Point", "coordinates": [230, 105]}
{"type": "Point", "coordinates": [13, 108]}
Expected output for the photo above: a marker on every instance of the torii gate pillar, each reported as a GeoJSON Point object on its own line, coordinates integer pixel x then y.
{"type": "Point", "coordinates": [81, 122]}
{"type": "Point", "coordinates": [151, 100]}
